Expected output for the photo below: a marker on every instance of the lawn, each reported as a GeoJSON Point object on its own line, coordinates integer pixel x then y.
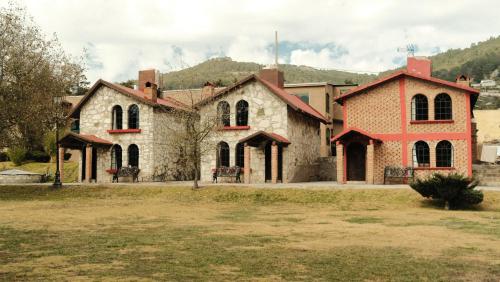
{"type": "Point", "coordinates": [70, 169]}
{"type": "Point", "coordinates": [229, 233]}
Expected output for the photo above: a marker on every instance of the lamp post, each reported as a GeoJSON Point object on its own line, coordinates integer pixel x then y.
{"type": "Point", "coordinates": [57, 178]}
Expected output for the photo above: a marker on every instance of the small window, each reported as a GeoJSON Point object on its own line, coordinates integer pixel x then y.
{"type": "Point", "coordinates": [327, 102]}
{"type": "Point", "coordinates": [133, 155]}
{"type": "Point", "coordinates": [303, 96]}
{"type": "Point", "coordinates": [421, 154]}
{"type": "Point", "coordinates": [242, 113]}
{"type": "Point", "coordinates": [116, 157]}
{"type": "Point", "coordinates": [224, 113]}
{"type": "Point", "coordinates": [133, 117]}
{"type": "Point", "coordinates": [442, 107]}
{"type": "Point", "coordinates": [75, 126]}
{"type": "Point", "coordinates": [117, 118]}
{"type": "Point", "coordinates": [419, 107]}
{"type": "Point", "coordinates": [444, 154]}
{"type": "Point", "coordinates": [222, 158]}
{"type": "Point", "coordinates": [240, 155]}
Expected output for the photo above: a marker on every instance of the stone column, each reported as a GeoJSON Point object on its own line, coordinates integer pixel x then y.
{"type": "Point", "coordinates": [274, 162]}
{"type": "Point", "coordinates": [61, 163]}
{"type": "Point", "coordinates": [370, 159]}
{"type": "Point", "coordinates": [246, 163]}
{"type": "Point", "coordinates": [340, 163]}
{"type": "Point", "coordinates": [88, 163]}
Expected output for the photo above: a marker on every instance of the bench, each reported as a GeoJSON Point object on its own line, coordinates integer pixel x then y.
{"type": "Point", "coordinates": [224, 171]}
{"type": "Point", "coordinates": [401, 173]}
{"type": "Point", "coordinates": [127, 171]}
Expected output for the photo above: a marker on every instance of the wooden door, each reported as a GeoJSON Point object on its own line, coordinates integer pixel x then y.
{"type": "Point", "coordinates": [356, 162]}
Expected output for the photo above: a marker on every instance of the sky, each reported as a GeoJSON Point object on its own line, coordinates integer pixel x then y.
{"type": "Point", "coordinates": [121, 37]}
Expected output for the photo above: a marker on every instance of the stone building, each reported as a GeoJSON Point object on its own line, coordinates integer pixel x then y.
{"type": "Point", "coordinates": [120, 126]}
{"type": "Point", "coordinates": [271, 134]}
{"type": "Point", "coordinates": [407, 119]}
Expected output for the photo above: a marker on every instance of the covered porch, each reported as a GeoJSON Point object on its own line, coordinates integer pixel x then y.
{"type": "Point", "coordinates": [272, 145]}
{"type": "Point", "coordinates": [355, 156]}
{"type": "Point", "coordinates": [88, 145]}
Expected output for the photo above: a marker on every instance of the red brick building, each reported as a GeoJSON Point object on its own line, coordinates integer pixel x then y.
{"type": "Point", "coordinates": [407, 119]}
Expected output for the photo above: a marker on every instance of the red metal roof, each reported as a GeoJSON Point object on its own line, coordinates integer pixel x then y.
{"type": "Point", "coordinates": [95, 139]}
{"type": "Point", "coordinates": [71, 139]}
{"type": "Point", "coordinates": [293, 101]}
{"type": "Point", "coordinates": [354, 130]}
{"type": "Point", "coordinates": [259, 136]}
{"type": "Point", "coordinates": [135, 94]}
{"type": "Point", "coordinates": [397, 74]}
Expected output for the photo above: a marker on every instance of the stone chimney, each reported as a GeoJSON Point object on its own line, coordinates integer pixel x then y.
{"type": "Point", "coordinates": [463, 80]}
{"type": "Point", "coordinates": [421, 66]}
{"type": "Point", "coordinates": [207, 90]}
{"type": "Point", "coordinates": [151, 90]}
{"type": "Point", "coordinates": [273, 76]}
{"type": "Point", "coordinates": [151, 75]}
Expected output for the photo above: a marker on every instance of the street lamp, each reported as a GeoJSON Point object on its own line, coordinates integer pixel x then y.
{"type": "Point", "coordinates": [57, 178]}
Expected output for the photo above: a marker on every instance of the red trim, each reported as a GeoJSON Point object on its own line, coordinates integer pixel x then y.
{"type": "Point", "coordinates": [236, 127]}
{"type": "Point", "coordinates": [433, 168]}
{"type": "Point", "coordinates": [404, 139]}
{"type": "Point", "coordinates": [469, 134]}
{"type": "Point", "coordinates": [117, 131]}
{"type": "Point", "coordinates": [431, 121]}
{"type": "Point", "coordinates": [344, 114]}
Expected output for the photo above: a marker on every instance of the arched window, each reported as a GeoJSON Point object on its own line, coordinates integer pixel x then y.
{"type": "Point", "coordinates": [421, 154]}
{"type": "Point", "coordinates": [133, 117]}
{"type": "Point", "coordinates": [133, 155]}
{"type": "Point", "coordinates": [242, 113]}
{"type": "Point", "coordinates": [222, 154]}
{"type": "Point", "coordinates": [444, 154]}
{"type": "Point", "coordinates": [442, 107]}
{"type": "Point", "coordinates": [240, 154]}
{"type": "Point", "coordinates": [117, 118]}
{"type": "Point", "coordinates": [116, 157]}
{"type": "Point", "coordinates": [224, 113]}
{"type": "Point", "coordinates": [419, 107]}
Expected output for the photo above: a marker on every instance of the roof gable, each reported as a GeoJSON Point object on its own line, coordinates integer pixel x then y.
{"type": "Point", "coordinates": [293, 101]}
{"type": "Point", "coordinates": [134, 94]}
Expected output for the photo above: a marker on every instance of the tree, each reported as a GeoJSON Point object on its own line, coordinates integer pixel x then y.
{"type": "Point", "coordinates": [33, 70]}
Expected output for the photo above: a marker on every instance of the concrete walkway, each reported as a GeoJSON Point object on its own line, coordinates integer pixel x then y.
{"type": "Point", "coordinates": [322, 185]}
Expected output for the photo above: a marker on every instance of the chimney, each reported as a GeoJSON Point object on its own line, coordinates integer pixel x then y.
{"type": "Point", "coordinates": [463, 80]}
{"type": "Point", "coordinates": [151, 75]}
{"type": "Point", "coordinates": [151, 89]}
{"type": "Point", "coordinates": [273, 76]}
{"type": "Point", "coordinates": [207, 90]}
{"type": "Point", "coordinates": [421, 66]}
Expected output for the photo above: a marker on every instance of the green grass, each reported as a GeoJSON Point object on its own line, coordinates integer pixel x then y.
{"type": "Point", "coordinates": [70, 169]}
{"type": "Point", "coordinates": [228, 234]}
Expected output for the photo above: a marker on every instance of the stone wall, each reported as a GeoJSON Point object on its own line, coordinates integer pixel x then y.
{"type": "Point", "coordinates": [327, 168]}
{"type": "Point", "coordinates": [487, 174]}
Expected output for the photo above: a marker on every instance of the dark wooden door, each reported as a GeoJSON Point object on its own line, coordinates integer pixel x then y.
{"type": "Point", "coordinates": [94, 164]}
{"type": "Point", "coordinates": [356, 162]}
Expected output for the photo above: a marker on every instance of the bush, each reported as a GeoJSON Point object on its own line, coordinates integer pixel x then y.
{"type": "Point", "coordinates": [67, 156]}
{"type": "Point", "coordinates": [4, 157]}
{"type": "Point", "coordinates": [38, 156]}
{"type": "Point", "coordinates": [17, 155]}
{"type": "Point", "coordinates": [457, 191]}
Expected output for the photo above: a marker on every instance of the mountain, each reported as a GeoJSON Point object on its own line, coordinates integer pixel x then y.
{"type": "Point", "coordinates": [224, 71]}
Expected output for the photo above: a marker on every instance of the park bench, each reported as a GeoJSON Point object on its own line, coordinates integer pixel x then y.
{"type": "Point", "coordinates": [402, 174]}
{"type": "Point", "coordinates": [127, 171]}
{"type": "Point", "coordinates": [224, 171]}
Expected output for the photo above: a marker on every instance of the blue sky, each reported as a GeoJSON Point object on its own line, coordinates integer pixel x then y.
{"type": "Point", "coordinates": [122, 36]}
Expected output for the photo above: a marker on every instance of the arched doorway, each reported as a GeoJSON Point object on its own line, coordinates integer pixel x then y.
{"type": "Point", "coordinates": [356, 162]}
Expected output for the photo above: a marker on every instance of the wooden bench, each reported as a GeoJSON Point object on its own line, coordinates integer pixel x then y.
{"type": "Point", "coordinates": [224, 171]}
{"type": "Point", "coordinates": [401, 173]}
{"type": "Point", "coordinates": [127, 171]}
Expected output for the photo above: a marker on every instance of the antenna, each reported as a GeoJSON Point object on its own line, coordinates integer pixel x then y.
{"type": "Point", "coordinates": [276, 47]}
{"type": "Point", "coordinates": [410, 49]}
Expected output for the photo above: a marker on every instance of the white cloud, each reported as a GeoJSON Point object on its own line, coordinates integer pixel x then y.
{"type": "Point", "coordinates": [124, 36]}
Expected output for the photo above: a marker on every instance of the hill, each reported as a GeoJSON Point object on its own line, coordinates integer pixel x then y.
{"type": "Point", "coordinates": [224, 71]}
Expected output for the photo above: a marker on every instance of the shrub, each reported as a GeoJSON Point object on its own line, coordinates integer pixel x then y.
{"type": "Point", "coordinates": [38, 156]}
{"type": "Point", "coordinates": [457, 191]}
{"type": "Point", "coordinates": [4, 157]}
{"type": "Point", "coordinates": [67, 156]}
{"type": "Point", "coordinates": [17, 155]}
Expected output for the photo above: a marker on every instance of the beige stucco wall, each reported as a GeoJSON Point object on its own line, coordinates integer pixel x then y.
{"type": "Point", "coordinates": [488, 125]}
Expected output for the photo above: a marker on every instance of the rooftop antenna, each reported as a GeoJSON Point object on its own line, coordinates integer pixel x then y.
{"type": "Point", "coordinates": [409, 49]}
{"type": "Point", "coordinates": [276, 48]}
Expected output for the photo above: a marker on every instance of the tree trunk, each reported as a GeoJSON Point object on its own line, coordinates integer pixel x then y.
{"type": "Point", "coordinates": [195, 182]}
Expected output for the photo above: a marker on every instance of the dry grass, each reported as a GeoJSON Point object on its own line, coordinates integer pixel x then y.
{"type": "Point", "coordinates": [151, 233]}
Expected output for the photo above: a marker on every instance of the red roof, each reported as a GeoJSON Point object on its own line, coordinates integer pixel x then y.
{"type": "Point", "coordinates": [293, 101]}
{"type": "Point", "coordinates": [354, 130]}
{"type": "Point", "coordinates": [94, 139]}
{"type": "Point", "coordinates": [260, 136]}
{"type": "Point", "coordinates": [71, 139]}
{"type": "Point", "coordinates": [398, 74]}
{"type": "Point", "coordinates": [135, 94]}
